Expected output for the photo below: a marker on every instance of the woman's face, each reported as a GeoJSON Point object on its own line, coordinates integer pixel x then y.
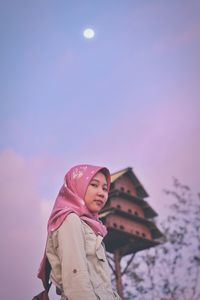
{"type": "Point", "coordinates": [97, 193]}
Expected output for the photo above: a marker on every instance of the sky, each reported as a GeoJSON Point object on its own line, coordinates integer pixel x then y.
{"type": "Point", "coordinates": [127, 98]}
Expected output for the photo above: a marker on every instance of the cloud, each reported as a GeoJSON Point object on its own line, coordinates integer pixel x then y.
{"type": "Point", "coordinates": [23, 223]}
{"type": "Point", "coordinates": [45, 208]}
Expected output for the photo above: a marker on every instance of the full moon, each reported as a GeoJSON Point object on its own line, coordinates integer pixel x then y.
{"type": "Point", "coordinates": [88, 33]}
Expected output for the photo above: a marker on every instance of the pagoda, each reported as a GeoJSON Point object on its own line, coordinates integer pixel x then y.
{"type": "Point", "coordinates": [129, 220]}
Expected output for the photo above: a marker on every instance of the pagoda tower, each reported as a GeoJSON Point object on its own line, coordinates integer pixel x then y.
{"type": "Point", "coordinates": [129, 220]}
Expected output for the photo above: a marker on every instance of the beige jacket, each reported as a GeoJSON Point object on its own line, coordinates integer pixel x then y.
{"type": "Point", "coordinates": [79, 265]}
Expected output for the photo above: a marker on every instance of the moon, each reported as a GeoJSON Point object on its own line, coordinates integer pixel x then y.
{"type": "Point", "coordinates": [88, 33]}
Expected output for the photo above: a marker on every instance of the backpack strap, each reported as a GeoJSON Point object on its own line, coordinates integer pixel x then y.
{"type": "Point", "coordinates": [43, 295]}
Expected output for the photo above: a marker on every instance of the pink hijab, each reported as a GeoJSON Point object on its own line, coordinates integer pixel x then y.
{"type": "Point", "coordinates": [70, 199]}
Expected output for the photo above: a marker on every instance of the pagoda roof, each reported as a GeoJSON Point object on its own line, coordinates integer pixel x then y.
{"type": "Point", "coordinates": [156, 234]}
{"type": "Point", "coordinates": [148, 210]}
{"type": "Point", "coordinates": [137, 184]}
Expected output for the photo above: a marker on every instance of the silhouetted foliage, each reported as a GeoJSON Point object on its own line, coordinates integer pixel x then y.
{"type": "Point", "coordinates": [171, 271]}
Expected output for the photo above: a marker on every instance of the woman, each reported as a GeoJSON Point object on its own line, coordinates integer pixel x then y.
{"type": "Point", "coordinates": [75, 258]}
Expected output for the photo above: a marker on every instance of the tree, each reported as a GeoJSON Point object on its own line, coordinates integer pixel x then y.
{"type": "Point", "coordinates": [171, 271]}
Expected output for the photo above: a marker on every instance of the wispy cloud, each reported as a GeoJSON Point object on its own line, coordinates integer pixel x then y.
{"type": "Point", "coordinates": [24, 215]}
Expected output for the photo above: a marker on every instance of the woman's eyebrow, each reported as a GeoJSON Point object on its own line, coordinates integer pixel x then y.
{"type": "Point", "coordinates": [97, 180]}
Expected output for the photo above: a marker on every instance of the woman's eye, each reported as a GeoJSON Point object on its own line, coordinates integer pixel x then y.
{"type": "Point", "coordinates": [105, 189]}
{"type": "Point", "coordinates": [94, 184]}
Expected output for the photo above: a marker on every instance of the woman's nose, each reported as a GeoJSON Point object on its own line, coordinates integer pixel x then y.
{"type": "Point", "coordinates": [101, 192]}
